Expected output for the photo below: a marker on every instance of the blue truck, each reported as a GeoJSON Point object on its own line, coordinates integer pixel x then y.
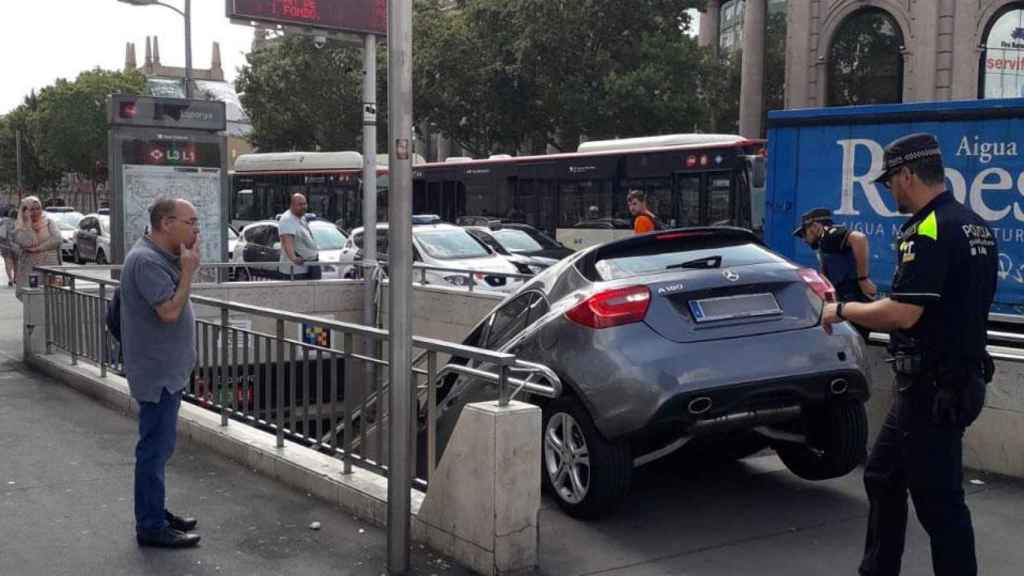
{"type": "Point", "coordinates": [829, 158]}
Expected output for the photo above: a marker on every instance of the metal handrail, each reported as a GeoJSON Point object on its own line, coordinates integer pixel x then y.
{"type": "Point", "coordinates": [75, 323]}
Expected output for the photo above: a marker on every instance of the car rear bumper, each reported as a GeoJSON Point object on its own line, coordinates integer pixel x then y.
{"type": "Point", "coordinates": [632, 380]}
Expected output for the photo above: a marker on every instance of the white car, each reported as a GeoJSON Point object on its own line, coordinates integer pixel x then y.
{"type": "Point", "coordinates": [259, 242]}
{"type": "Point", "coordinates": [67, 221]}
{"type": "Point", "coordinates": [92, 240]}
{"type": "Point", "coordinates": [442, 246]}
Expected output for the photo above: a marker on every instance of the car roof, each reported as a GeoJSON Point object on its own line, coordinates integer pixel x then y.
{"type": "Point", "coordinates": [438, 226]}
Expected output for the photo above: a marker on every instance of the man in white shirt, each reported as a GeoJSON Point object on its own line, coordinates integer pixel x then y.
{"type": "Point", "coordinates": [297, 245]}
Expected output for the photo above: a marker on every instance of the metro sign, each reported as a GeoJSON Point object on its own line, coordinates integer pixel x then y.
{"type": "Point", "coordinates": [357, 16]}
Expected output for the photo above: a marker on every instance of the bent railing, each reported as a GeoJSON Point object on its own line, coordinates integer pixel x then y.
{"type": "Point", "coordinates": [307, 388]}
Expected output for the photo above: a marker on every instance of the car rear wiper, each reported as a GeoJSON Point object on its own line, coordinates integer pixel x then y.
{"type": "Point", "coordinates": [707, 262]}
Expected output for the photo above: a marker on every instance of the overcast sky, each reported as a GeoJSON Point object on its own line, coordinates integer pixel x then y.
{"type": "Point", "coordinates": [48, 39]}
{"type": "Point", "coordinates": [43, 40]}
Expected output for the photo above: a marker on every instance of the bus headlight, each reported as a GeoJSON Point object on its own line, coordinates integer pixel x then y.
{"type": "Point", "coordinates": [461, 281]}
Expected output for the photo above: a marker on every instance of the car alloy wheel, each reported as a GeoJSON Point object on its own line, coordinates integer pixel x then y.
{"type": "Point", "coordinates": [567, 458]}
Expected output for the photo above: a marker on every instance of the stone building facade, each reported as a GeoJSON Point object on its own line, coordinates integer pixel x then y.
{"type": "Point", "coordinates": [843, 52]}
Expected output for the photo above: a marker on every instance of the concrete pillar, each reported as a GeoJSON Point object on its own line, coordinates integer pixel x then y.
{"type": "Point", "coordinates": [752, 80]}
{"type": "Point", "coordinates": [709, 23]}
{"type": "Point", "coordinates": [483, 501]}
{"type": "Point", "coordinates": [34, 322]}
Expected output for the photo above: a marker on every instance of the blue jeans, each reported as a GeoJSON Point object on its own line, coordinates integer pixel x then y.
{"type": "Point", "coordinates": [158, 423]}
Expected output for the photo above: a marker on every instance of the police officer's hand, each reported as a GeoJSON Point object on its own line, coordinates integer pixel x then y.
{"type": "Point", "coordinates": [946, 407]}
{"type": "Point", "coordinates": [829, 316]}
{"type": "Point", "coordinates": [868, 288]}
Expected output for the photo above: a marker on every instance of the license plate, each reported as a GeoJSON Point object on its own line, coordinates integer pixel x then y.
{"type": "Point", "coordinates": [733, 307]}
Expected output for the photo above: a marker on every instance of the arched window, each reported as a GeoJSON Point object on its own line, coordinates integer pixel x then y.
{"type": "Point", "coordinates": [1002, 55]}
{"type": "Point", "coordinates": [865, 60]}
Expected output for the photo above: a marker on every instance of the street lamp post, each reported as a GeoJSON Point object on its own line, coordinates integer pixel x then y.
{"type": "Point", "coordinates": [187, 15]}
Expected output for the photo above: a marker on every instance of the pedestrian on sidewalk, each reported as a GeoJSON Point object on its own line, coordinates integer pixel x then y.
{"type": "Point", "coordinates": [7, 224]}
{"type": "Point", "coordinates": [36, 241]}
{"type": "Point", "coordinates": [158, 340]}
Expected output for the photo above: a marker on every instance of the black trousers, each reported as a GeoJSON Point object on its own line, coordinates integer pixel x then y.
{"type": "Point", "coordinates": [913, 455]}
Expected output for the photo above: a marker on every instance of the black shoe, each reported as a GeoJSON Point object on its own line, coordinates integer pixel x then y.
{"type": "Point", "coordinates": [167, 538]}
{"type": "Point", "coordinates": [178, 523]}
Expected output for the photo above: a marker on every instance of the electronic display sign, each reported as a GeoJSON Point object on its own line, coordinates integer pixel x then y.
{"type": "Point", "coordinates": [167, 113]}
{"type": "Point", "coordinates": [358, 16]}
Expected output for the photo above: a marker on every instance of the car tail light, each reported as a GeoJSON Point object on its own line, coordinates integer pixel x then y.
{"type": "Point", "coordinates": [612, 308]}
{"type": "Point", "coordinates": [819, 284]}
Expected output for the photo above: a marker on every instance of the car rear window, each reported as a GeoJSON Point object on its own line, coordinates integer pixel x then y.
{"type": "Point", "coordinates": [627, 266]}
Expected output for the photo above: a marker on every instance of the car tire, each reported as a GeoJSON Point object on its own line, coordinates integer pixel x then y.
{"type": "Point", "coordinates": [584, 489]}
{"type": "Point", "coordinates": [101, 258]}
{"type": "Point", "coordinates": [76, 256]}
{"type": "Point", "coordinates": [837, 436]}
{"type": "Point", "coordinates": [242, 274]}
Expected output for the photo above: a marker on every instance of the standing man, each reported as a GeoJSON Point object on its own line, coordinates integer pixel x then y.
{"type": "Point", "coordinates": [937, 315]}
{"type": "Point", "coordinates": [844, 257]}
{"type": "Point", "coordinates": [644, 220]}
{"type": "Point", "coordinates": [297, 245]}
{"type": "Point", "coordinates": [158, 339]}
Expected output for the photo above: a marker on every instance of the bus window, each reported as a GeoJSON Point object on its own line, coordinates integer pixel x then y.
{"type": "Point", "coordinates": [245, 205]}
{"type": "Point", "coordinates": [720, 205]}
{"type": "Point", "coordinates": [688, 186]}
{"type": "Point", "coordinates": [586, 204]}
{"type": "Point", "coordinates": [532, 204]}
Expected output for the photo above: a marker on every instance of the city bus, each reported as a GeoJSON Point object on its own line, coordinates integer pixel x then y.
{"type": "Point", "coordinates": [579, 198]}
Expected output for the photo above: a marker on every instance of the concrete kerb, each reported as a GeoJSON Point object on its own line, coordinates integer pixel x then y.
{"type": "Point", "coordinates": [362, 493]}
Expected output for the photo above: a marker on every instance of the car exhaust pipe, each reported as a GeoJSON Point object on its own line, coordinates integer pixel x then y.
{"type": "Point", "coordinates": [749, 419]}
{"type": "Point", "coordinates": [699, 406]}
{"type": "Point", "coordinates": [839, 386]}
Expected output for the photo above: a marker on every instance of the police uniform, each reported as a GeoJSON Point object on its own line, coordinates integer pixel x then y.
{"type": "Point", "coordinates": [835, 255]}
{"type": "Point", "coordinates": [947, 264]}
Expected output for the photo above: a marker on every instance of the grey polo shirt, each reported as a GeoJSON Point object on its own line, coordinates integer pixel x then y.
{"type": "Point", "coordinates": [157, 355]}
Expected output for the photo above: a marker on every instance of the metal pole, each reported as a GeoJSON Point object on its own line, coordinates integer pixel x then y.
{"type": "Point", "coordinates": [188, 49]}
{"type": "Point", "coordinates": [369, 195]}
{"type": "Point", "coordinates": [400, 268]}
{"type": "Point", "coordinates": [17, 153]}
{"type": "Point", "coordinates": [104, 342]}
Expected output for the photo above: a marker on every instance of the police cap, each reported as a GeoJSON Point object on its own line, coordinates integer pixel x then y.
{"type": "Point", "coordinates": [906, 150]}
{"type": "Point", "coordinates": [823, 215]}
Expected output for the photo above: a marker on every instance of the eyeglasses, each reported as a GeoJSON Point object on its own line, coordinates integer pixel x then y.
{"type": "Point", "coordinates": [194, 222]}
{"type": "Point", "coordinates": [31, 209]}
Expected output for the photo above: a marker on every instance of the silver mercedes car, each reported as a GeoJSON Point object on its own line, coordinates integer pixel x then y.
{"type": "Point", "coordinates": [700, 336]}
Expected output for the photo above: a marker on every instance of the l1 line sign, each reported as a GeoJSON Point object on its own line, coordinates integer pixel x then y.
{"type": "Point", "coordinates": [356, 16]}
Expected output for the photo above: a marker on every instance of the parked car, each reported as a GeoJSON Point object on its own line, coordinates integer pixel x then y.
{"type": "Point", "coordinates": [525, 264]}
{"type": "Point", "coordinates": [699, 335]}
{"type": "Point", "coordinates": [443, 246]}
{"type": "Point", "coordinates": [259, 242]}
{"type": "Point", "coordinates": [519, 238]}
{"type": "Point", "coordinates": [67, 221]}
{"type": "Point", "coordinates": [92, 240]}
{"type": "Point", "coordinates": [232, 242]}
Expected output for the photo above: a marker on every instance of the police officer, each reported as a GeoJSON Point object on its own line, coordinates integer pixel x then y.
{"type": "Point", "coordinates": [843, 256]}
{"type": "Point", "coordinates": [937, 315]}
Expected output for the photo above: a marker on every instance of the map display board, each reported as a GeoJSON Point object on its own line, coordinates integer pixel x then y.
{"type": "Point", "coordinates": [201, 186]}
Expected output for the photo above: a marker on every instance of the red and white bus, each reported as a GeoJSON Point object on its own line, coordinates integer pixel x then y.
{"type": "Point", "coordinates": [580, 197]}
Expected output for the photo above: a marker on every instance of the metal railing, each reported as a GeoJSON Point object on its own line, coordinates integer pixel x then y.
{"type": "Point", "coordinates": [306, 392]}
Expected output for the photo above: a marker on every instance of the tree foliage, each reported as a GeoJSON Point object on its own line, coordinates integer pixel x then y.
{"type": "Point", "coordinates": [300, 97]}
{"type": "Point", "coordinates": [500, 75]}
{"type": "Point", "coordinates": [63, 128]}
